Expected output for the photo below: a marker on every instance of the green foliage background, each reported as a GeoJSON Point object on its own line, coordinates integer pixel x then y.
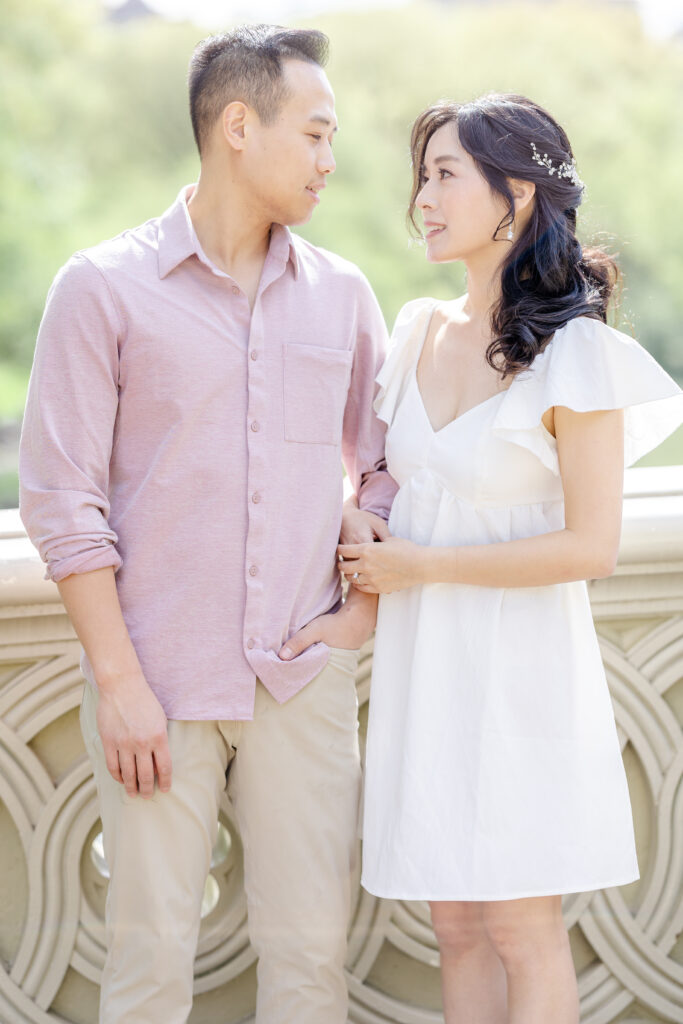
{"type": "Point", "coordinates": [95, 138]}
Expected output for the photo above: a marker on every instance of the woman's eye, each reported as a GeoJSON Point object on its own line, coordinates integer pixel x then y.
{"type": "Point", "coordinates": [316, 137]}
{"type": "Point", "coordinates": [443, 171]}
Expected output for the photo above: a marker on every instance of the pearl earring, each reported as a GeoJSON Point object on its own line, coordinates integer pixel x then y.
{"type": "Point", "coordinates": [511, 233]}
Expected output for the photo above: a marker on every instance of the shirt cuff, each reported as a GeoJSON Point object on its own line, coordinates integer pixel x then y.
{"type": "Point", "coordinates": [377, 493]}
{"type": "Point", "coordinates": [83, 561]}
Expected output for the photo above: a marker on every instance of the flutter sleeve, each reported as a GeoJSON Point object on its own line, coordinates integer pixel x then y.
{"type": "Point", "coordinates": [588, 366]}
{"type": "Point", "coordinates": [404, 350]}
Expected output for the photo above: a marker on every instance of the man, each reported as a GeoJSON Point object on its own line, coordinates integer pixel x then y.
{"type": "Point", "coordinates": [195, 383]}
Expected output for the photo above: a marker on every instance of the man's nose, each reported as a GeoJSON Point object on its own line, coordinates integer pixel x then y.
{"type": "Point", "coordinates": [326, 161]}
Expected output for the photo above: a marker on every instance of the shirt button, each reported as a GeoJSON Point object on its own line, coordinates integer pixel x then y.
{"type": "Point", "coordinates": [250, 643]}
{"type": "Point", "coordinates": [256, 497]}
{"type": "Point", "coordinates": [253, 570]}
{"type": "Point", "coordinates": [255, 426]}
{"type": "Point", "coordinates": [253, 354]}
{"type": "Point", "coordinates": [235, 290]}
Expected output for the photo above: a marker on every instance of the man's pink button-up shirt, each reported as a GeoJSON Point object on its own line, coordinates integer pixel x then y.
{"type": "Point", "coordinates": [197, 445]}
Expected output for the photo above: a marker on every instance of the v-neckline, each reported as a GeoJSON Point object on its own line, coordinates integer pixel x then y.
{"type": "Point", "coordinates": [456, 419]}
{"type": "Point", "coordinates": [472, 408]}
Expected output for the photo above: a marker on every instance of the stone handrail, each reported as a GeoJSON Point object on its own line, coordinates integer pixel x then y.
{"type": "Point", "coordinates": [53, 877]}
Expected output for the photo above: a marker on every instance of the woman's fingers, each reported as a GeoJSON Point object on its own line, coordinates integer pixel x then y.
{"type": "Point", "coordinates": [360, 580]}
{"type": "Point", "coordinates": [353, 557]}
{"type": "Point", "coordinates": [352, 551]}
{"type": "Point", "coordinates": [357, 562]}
{"type": "Point", "coordinates": [347, 566]}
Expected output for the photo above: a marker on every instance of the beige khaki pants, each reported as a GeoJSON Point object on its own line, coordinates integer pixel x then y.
{"type": "Point", "coordinates": [294, 782]}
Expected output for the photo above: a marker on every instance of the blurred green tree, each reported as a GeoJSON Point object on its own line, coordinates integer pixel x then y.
{"type": "Point", "coordinates": [96, 137]}
{"type": "Point", "coordinates": [617, 93]}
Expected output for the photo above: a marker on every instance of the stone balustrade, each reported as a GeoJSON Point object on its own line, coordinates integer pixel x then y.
{"type": "Point", "coordinates": [53, 878]}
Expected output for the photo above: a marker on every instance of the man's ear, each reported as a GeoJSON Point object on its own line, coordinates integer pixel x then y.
{"type": "Point", "coordinates": [234, 123]}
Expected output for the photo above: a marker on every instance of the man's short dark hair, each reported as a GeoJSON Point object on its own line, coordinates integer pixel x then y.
{"type": "Point", "coordinates": [247, 64]}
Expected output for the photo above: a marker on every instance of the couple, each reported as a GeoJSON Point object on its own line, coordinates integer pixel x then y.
{"type": "Point", "coordinates": [195, 382]}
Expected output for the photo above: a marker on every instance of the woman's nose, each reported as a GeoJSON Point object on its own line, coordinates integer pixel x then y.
{"type": "Point", "coordinates": [423, 200]}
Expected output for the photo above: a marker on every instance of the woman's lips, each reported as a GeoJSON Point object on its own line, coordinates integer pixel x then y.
{"type": "Point", "coordinates": [434, 230]}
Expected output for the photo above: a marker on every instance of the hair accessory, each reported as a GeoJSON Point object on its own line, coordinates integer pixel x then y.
{"type": "Point", "coordinates": [564, 170]}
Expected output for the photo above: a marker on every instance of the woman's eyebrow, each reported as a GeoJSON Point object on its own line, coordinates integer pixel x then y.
{"type": "Point", "coordinates": [446, 158]}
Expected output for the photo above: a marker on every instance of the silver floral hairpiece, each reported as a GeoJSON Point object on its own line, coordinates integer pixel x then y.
{"type": "Point", "coordinates": [567, 169]}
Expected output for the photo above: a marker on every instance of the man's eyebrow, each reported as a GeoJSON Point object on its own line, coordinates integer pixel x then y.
{"type": "Point", "coordinates": [321, 119]}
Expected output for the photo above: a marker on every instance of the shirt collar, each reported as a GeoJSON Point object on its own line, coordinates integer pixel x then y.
{"type": "Point", "coordinates": [178, 240]}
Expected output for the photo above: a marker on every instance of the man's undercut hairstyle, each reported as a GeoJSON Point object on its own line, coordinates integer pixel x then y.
{"type": "Point", "coordinates": [247, 64]}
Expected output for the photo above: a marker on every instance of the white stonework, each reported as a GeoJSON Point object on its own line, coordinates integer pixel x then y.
{"type": "Point", "coordinates": [626, 942]}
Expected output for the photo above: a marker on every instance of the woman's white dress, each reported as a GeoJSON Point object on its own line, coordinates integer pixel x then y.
{"type": "Point", "coordinates": [493, 766]}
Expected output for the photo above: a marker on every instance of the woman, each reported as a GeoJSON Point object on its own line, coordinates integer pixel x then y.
{"type": "Point", "coordinates": [494, 777]}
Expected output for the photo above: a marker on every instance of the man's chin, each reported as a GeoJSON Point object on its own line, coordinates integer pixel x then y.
{"type": "Point", "coordinates": [301, 217]}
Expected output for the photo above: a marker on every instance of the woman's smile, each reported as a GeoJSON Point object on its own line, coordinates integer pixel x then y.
{"type": "Point", "coordinates": [433, 229]}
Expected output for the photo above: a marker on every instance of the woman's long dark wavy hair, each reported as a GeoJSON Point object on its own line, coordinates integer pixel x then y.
{"type": "Point", "coordinates": [547, 278]}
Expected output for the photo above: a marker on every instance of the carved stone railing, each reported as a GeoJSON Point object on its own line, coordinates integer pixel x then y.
{"type": "Point", "coordinates": [53, 878]}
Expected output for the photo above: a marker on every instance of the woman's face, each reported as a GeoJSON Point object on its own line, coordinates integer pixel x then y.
{"type": "Point", "coordinates": [459, 209]}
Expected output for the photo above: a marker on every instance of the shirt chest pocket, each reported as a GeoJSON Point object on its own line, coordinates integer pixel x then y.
{"type": "Point", "coordinates": [316, 382]}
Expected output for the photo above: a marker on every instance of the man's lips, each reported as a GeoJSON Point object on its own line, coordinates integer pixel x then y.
{"type": "Point", "coordinates": [314, 189]}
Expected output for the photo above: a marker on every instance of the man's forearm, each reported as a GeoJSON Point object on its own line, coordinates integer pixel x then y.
{"type": "Point", "coordinates": [92, 604]}
{"type": "Point", "coordinates": [131, 722]}
{"type": "Point", "coordinates": [362, 606]}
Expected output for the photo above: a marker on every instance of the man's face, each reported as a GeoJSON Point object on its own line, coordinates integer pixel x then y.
{"type": "Point", "coordinates": [286, 163]}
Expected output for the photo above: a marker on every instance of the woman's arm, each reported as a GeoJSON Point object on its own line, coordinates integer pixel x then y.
{"type": "Point", "coordinates": [590, 448]}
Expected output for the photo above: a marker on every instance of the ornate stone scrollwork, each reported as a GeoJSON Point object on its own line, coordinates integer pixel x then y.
{"type": "Point", "coordinates": [53, 879]}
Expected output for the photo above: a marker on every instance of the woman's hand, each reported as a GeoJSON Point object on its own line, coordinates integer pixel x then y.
{"type": "Point", "coordinates": [358, 527]}
{"type": "Point", "coordinates": [383, 568]}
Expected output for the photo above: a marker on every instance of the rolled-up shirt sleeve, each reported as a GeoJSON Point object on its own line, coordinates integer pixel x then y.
{"type": "Point", "coordinates": [363, 433]}
{"type": "Point", "coordinates": [68, 428]}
